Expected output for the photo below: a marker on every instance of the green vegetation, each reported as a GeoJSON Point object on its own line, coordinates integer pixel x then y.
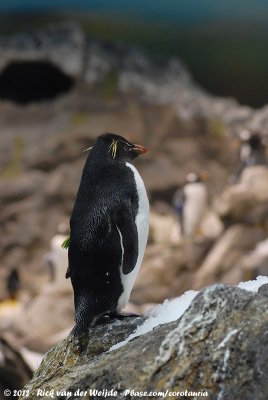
{"type": "Point", "coordinates": [66, 243]}
{"type": "Point", "coordinates": [79, 119]}
{"type": "Point", "coordinates": [216, 128]}
{"type": "Point", "coordinates": [14, 167]}
{"type": "Point", "coordinates": [109, 85]}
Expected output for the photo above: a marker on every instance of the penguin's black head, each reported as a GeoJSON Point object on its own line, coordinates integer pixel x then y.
{"type": "Point", "coordinates": [255, 141]}
{"type": "Point", "coordinates": [196, 177]}
{"type": "Point", "coordinates": [116, 148]}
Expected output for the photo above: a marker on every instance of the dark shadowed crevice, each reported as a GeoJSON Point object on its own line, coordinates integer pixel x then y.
{"type": "Point", "coordinates": [27, 81]}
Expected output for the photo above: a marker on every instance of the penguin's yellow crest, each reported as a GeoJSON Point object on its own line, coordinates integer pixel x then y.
{"type": "Point", "coordinates": [113, 148]}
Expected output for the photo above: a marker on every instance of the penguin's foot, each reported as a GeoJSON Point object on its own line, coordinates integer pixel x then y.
{"type": "Point", "coordinates": [81, 329]}
{"type": "Point", "coordinates": [102, 319]}
{"type": "Point", "coordinates": [106, 318]}
{"type": "Point", "coordinates": [123, 315]}
{"type": "Point", "coordinates": [82, 326]}
{"type": "Point", "coordinates": [78, 330]}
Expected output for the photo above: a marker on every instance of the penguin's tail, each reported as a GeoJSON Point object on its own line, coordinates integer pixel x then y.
{"type": "Point", "coordinates": [88, 310]}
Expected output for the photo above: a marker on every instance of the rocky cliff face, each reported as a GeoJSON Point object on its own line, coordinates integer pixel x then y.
{"type": "Point", "coordinates": [14, 370]}
{"type": "Point", "coordinates": [109, 87]}
{"type": "Point", "coordinates": [218, 347]}
{"type": "Point", "coordinates": [113, 88]}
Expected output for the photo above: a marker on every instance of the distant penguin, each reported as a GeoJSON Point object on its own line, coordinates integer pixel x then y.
{"type": "Point", "coordinates": [57, 259]}
{"type": "Point", "coordinates": [11, 305]}
{"type": "Point", "coordinates": [191, 204]}
{"type": "Point", "coordinates": [252, 152]}
{"type": "Point", "coordinates": [109, 230]}
{"type": "Point", "coordinates": [13, 283]}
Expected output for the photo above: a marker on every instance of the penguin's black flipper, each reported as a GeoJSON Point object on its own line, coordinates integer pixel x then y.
{"type": "Point", "coordinates": [125, 223]}
{"type": "Point", "coordinates": [68, 273]}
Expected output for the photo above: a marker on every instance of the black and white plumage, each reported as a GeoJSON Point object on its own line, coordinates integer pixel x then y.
{"type": "Point", "coordinates": [13, 283]}
{"type": "Point", "coordinates": [252, 152]}
{"type": "Point", "coordinates": [191, 204]}
{"type": "Point", "coordinates": [109, 230]}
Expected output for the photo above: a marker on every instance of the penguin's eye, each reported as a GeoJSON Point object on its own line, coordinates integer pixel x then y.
{"type": "Point", "coordinates": [127, 147]}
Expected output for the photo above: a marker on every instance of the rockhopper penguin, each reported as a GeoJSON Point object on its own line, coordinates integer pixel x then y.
{"type": "Point", "coordinates": [191, 204]}
{"type": "Point", "coordinates": [252, 152]}
{"type": "Point", "coordinates": [109, 230]}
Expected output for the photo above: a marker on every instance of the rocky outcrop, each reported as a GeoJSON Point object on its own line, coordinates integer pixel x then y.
{"type": "Point", "coordinates": [62, 46]}
{"type": "Point", "coordinates": [247, 201]}
{"type": "Point", "coordinates": [241, 251]}
{"type": "Point", "coordinates": [14, 371]}
{"type": "Point", "coordinates": [224, 257]}
{"type": "Point", "coordinates": [125, 70]}
{"type": "Point", "coordinates": [49, 313]}
{"type": "Point", "coordinates": [116, 88]}
{"type": "Point", "coordinates": [255, 261]}
{"type": "Point", "coordinates": [151, 101]}
{"type": "Point", "coordinates": [218, 346]}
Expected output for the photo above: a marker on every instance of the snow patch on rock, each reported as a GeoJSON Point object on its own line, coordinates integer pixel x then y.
{"type": "Point", "coordinates": [171, 310]}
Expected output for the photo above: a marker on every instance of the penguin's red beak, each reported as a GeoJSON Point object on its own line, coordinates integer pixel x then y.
{"type": "Point", "coordinates": [139, 149]}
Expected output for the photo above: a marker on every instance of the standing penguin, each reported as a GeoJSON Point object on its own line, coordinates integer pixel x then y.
{"type": "Point", "coordinates": [13, 284]}
{"type": "Point", "coordinates": [191, 204]}
{"type": "Point", "coordinates": [252, 152]}
{"type": "Point", "coordinates": [109, 230]}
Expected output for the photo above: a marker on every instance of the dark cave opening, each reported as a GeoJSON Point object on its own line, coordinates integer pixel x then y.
{"type": "Point", "coordinates": [28, 81]}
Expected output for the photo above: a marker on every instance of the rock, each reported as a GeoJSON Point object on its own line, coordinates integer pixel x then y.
{"type": "Point", "coordinates": [263, 290]}
{"type": "Point", "coordinates": [148, 81]}
{"type": "Point", "coordinates": [41, 148]}
{"type": "Point", "coordinates": [247, 201]}
{"type": "Point", "coordinates": [62, 45]}
{"type": "Point", "coordinates": [10, 311]}
{"type": "Point", "coordinates": [255, 262]}
{"type": "Point", "coordinates": [14, 371]}
{"type": "Point", "coordinates": [218, 346]}
{"type": "Point", "coordinates": [25, 187]}
{"type": "Point", "coordinates": [168, 270]}
{"type": "Point", "coordinates": [151, 101]}
{"type": "Point", "coordinates": [211, 225]}
{"type": "Point", "coordinates": [164, 229]}
{"type": "Point", "coordinates": [32, 358]}
{"type": "Point", "coordinates": [46, 315]}
{"type": "Point", "coordinates": [163, 275]}
{"type": "Point", "coordinates": [100, 61]}
{"type": "Point", "coordinates": [226, 253]}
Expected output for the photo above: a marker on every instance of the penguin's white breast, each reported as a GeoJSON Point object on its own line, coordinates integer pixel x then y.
{"type": "Point", "coordinates": [195, 206]}
{"type": "Point", "coordinates": [142, 223]}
